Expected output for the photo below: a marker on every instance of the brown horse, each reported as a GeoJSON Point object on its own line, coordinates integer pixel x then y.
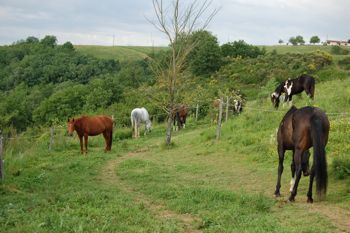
{"type": "Point", "coordinates": [179, 116]}
{"type": "Point", "coordinates": [92, 126]}
{"type": "Point", "coordinates": [299, 130]}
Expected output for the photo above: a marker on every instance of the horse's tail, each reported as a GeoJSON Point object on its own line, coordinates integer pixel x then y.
{"type": "Point", "coordinates": [312, 88]}
{"type": "Point", "coordinates": [320, 161]}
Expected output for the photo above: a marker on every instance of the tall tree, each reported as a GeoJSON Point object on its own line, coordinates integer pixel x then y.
{"type": "Point", "coordinates": [177, 23]}
{"type": "Point", "coordinates": [205, 57]}
{"type": "Point", "coordinates": [300, 40]}
{"type": "Point", "coordinates": [314, 40]}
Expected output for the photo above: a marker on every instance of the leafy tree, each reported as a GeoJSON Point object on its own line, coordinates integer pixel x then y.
{"type": "Point", "coordinates": [49, 41]}
{"type": "Point", "coordinates": [314, 40]}
{"type": "Point", "coordinates": [241, 49]}
{"type": "Point", "coordinates": [280, 41]}
{"type": "Point", "coordinates": [300, 40]}
{"type": "Point", "coordinates": [205, 58]}
{"type": "Point", "coordinates": [293, 40]}
{"type": "Point", "coordinates": [67, 101]}
{"type": "Point", "coordinates": [68, 46]}
{"type": "Point", "coordinates": [32, 39]}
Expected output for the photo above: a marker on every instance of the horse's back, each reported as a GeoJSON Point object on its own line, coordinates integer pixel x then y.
{"type": "Point", "coordinates": [95, 125]}
{"type": "Point", "coordinates": [139, 114]}
{"type": "Point", "coordinates": [303, 121]}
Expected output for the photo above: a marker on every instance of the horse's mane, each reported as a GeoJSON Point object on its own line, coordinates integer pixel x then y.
{"type": "Point", "coordinates": [279, 88]}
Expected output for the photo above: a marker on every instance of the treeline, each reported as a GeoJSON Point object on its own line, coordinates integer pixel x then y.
{"type": "Point", "coordinates": [42, 83]}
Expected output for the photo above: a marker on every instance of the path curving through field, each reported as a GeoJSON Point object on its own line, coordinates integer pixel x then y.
{"type": "Point", "coordinates": [109, 176]}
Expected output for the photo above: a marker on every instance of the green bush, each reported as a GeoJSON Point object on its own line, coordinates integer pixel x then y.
{"type": "Point", "coordinates": [338, 50]}
{"type": "Point", "coordinates": [345, 63]}
{"type": "Point", "coordinates": [341, 167]}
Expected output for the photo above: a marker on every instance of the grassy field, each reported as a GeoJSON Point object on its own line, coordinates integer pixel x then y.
{"type": "Point", "coordinates": [121, 53]}
{"type": "Point", "coordinates": [197, 185]}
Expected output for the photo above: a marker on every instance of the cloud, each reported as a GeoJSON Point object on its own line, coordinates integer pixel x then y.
{"type": "Point", "coordinates": [92, 22]}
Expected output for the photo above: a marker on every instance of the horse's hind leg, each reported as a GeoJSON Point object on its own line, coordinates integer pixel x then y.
{"type": "Point", "coordinates": [106, 137]}
{"type": "Point", "coordinates": [297, 160]}
{"type": "Point", "coordinates": [280, 169]}
{"type": "Point", "coordinates": [309, 193]}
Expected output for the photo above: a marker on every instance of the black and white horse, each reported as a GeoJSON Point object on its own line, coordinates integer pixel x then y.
{"type": "Point", "coordinates": [294, 86]}
{"type": "Point", "coordinates": [238, 106]}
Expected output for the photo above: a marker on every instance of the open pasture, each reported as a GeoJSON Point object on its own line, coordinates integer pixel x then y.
{"type": "Point", "coordinates": [197, 185]}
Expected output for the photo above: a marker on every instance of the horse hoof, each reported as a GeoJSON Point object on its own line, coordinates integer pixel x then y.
{"type": "Point", "coordinates": [306, 173]}
{"type": "Point", "coordinates": [277, 195]}
{"type": "Point", "coordinates": [310, 200]}
{"type": "Point", "coordinates": [291, 199]}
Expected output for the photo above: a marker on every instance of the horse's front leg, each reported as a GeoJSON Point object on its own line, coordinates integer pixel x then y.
{"type": "Point", "coordinates": [86, 142]}
{"type": "Point", "coordinates": [280, 169]}
{"type": "Point", "coordinates": [297, 160]}
{"type": "Point", "coordinates": [81, 144]}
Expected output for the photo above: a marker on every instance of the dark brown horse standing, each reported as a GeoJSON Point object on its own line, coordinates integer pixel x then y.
{"type": "Point", "coordinates": [91, 126]}
{"type": "Point", "coordinates": [299, 130]}
{"type": "Point", "coordinates": [179, 116]}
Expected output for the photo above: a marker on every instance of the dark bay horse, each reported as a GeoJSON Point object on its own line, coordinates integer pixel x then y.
{"type": "Point", "coordinates": [91, 126]}
{"type": "Point", "coordinates": [179, 116]}
{"type": "Point", "coordinates": [299, 130]}
{"type": "Point", "coordinates": [292, 87]}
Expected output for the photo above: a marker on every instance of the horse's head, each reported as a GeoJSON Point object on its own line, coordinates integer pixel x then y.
{"type": "Point", "coordinates": [149, 126]}
{"type": "Point", "coordinates": [275, 99]}
{"type": "Point", "coordinates": [70, 126]}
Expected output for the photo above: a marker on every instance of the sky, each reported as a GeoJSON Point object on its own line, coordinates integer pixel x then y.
{"type": "Point", "coordinates": [124, 22]}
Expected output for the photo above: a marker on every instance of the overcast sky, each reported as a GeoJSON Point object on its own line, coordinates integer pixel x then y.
{"type": "Point", "coordinates": [261, 22]}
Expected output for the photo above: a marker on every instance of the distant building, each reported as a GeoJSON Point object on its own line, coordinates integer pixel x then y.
{"type": "Point", "coordinates": [337, 42]}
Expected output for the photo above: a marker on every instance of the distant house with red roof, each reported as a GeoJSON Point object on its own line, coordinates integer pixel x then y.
{"type": "Point", "coordinates": [337, 42]}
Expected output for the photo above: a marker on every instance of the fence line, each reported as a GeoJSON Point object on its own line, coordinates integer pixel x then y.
{"type": "Point", "coordinates": [195, 107]}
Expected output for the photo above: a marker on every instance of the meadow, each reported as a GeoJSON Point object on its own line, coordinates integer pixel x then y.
{"type": "Point", "coordinates": [196, 185]}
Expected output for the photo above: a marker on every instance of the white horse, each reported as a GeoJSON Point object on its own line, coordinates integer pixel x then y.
{"type": "Point", "coordinates": [138, 116]}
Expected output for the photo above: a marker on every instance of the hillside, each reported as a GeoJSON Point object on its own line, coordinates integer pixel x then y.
{"type": "Point", "coordinates": [121, 53]}
{"type": "Point", "coordinates": [197, 185]}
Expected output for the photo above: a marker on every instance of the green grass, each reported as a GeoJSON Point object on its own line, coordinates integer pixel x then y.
{"type": "Point", "coordinates": [196, 184]}
{"type": "Point", "coordinates": [121, 53]}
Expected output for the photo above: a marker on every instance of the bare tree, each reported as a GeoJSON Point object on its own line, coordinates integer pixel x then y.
{"type": "Point", "coordinates": [177, 22]}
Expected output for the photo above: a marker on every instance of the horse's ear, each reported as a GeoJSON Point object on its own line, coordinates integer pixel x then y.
{"type": "Point", "coordinates": [68, 120]}
{"type": "Point", "coordinates": [73, 120]}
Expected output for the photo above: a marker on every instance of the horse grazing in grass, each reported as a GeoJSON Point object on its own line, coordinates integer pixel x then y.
{"type": "Point", "coordinates": [91, 126]}
{"type": "Point", "coordinates": [299, 130]}
{"type": "Point", "coordinates": [179, 116]}
{"type": "Point", "coordinates": [138, 116]}
{"type": "Point", "coordinates": [294, 86]}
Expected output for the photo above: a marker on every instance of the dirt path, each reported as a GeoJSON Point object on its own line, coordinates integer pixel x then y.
{"type": "Point", "coordinates": [109, 176]}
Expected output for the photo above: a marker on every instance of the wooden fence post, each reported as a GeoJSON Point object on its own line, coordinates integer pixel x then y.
{"type": "Point", "coordinates": [52, 131]}
{"type": "Point", "coordinates": [218, 128]}
{"type": "Point", "coordinates": [227, 105]}
{"type": "Point", "coordinates": [197, 110]}
{"type": "Point", "coordinates": [2, 170]}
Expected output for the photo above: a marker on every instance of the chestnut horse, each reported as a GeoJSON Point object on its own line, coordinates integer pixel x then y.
{"type": "Point", "coordinates": [179, 116]}
{"type": "Point", "coordinates": [299, 130]}
{"type": "Point", "coordinates": [91, 126]}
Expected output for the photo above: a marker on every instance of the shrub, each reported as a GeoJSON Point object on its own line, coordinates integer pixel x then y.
{"type": "Point", "coordinates": [338, 50]}
{"type": "Point", "coordinates": [345, 63]}
{"type": "Point", "coordinates": [341, 167]}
